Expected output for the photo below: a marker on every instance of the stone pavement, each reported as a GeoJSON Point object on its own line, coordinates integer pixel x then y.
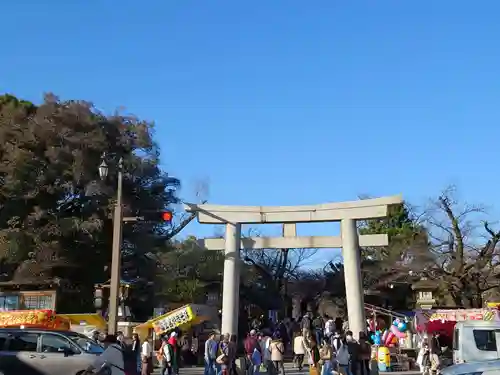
{"type": "Point", "coordinates": [289, 370]}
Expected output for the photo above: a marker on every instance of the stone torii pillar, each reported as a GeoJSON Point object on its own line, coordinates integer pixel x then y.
{"type": "Point", "coordinates": [231, 279]}
{"type": "Point", "coordinates": [349, 241]}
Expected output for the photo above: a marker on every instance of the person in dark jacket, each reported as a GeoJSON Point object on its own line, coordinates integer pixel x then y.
{"type": "Point", "coordinates": [306, 325]}
{"type": "Point", "coordinates": [436, 343]}
{"type": "Point", "coordinates": [318, 327]}
{"type": "Point", "coordinates": [134, 367]}
{"type": "Point", "coordinates": [354, 352]}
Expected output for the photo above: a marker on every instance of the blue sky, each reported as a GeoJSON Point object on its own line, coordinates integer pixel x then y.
{"type": "Point", "coordinates": [282, 102]}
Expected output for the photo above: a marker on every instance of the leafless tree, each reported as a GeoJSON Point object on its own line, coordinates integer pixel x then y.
{"type": "Point", "coordinates": [456, 247]}
{"type": "Point", "coordinates": [464, 249]}
{"type": "Point", "coordinates": [277, 267]}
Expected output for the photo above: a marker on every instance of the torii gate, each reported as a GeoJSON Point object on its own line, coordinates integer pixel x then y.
{"type": "Point", "coordinates": [349, 240]}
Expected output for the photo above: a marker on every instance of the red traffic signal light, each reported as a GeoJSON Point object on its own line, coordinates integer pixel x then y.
{"type": "Point", "coordinates": [167, 216]}
{"type": "Point", "coordinates": [159, 217]}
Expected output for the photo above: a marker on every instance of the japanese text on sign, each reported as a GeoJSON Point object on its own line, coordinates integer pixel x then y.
{"type": "Point", "coordinates": [172, 320]}
{"type": "Point", "coordinates": [462, 315]}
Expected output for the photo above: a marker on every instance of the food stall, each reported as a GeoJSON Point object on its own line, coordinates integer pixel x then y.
{"type": "Point", "coordinates": [428, 322]}
{"type": "Point", "coordinates": [47, 319]}
{"type": "Point", "coordinates": [85, 323]}
{"type": "Point", "coordinates": [182, 318]}
{"type": "Point", "coordinates": [443, 321]}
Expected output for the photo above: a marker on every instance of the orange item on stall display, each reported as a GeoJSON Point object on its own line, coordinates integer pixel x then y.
{"type": "Point", "coordinates": [33, 318]}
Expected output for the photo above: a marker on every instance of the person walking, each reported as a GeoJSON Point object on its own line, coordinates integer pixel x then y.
{"type": "Point", "coordinates": [136, 350]}
{"type": "Point", "coordinates": [277, 350]}
{"type": "Point", "coordinates": [210, 354]}
{"type": "Point", "coordinates": [223, 360]}
{"type": "Point", "coordinates": [265, 347]}
{"type": "Point", "coordinates": [299, 350]}
{"type": "Point", "coordinates": [172, 341]}
{"type": "Point", "coordinates": [112, 357]}
{"type": "Point", "coordinates": [306, 325]}
{"type": "Point", "coordinates": [325, 354]}
{"type": "Point", "coordinates": [233, 353]}
{"type": "Point", "coordinates": [354, 352]}
{"type": "Point", "coordinates": [251, 345]}
{"type": "Point", "coordinates": [195, 347]}
{"type": "Point", "coordinates": [185, 348]}
{"type": "Point", "coordinates": [165, 357]}
{"type": "Point", "coordinates": [365, 353]}
{"type": "Point", "coordinates": [318, 327]}
{"type": "Point", "coordinates": [343, 359]}
{"type": "Point", "coordinates": [314, 357]}
{"type": "Point", "coordinates": [147, 357]}
{"type": "Point", "coordinates": [329, 326]}
{"type": "Point", "coordinates": [427, 361]}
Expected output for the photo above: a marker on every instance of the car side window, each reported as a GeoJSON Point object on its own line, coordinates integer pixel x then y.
{"type": "Point", "coordinates": [23, 342]}
{"type": "Point", "coordinates": [485, 339]}
{"type": "Point", "coordinates": [55, 344]}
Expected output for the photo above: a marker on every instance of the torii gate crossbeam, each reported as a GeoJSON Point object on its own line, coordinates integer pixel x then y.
{"type": "Point", "coordinates": [349, 240]}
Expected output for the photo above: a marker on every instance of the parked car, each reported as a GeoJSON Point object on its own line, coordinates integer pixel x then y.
{"type": "Point", "coordinates": [45, 352]}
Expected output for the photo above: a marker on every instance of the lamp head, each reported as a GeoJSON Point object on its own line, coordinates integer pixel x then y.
{"type": "Point", "coordinates": [103, 170]}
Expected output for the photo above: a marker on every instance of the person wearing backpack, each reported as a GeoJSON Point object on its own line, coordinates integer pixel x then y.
{"type": "Point", "coordinates": [166, 357]}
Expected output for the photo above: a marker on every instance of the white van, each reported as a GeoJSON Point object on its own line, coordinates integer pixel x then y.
{"type": "Point", "coordinates": [482, 368]}
{"type": "Point", "coordinates": [476, 340]}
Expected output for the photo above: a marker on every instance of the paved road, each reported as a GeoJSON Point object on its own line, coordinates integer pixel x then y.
{"type": "Point", "coordinates": [289, 370]}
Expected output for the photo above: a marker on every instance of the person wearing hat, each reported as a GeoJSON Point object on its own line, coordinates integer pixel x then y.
{"type": "Point", "coordinates": [253, 353]}
{"type": "Point", "coordinates": [111, 357]}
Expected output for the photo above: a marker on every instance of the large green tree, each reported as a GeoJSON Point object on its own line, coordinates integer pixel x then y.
{"type": "Point", "coordinates": [390, 264]}
{"type": "Point", "coordinates": [56, 211]}
{"type": "Point", "coordinates": [184, 273]}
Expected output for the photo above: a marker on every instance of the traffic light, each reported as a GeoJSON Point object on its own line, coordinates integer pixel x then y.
{"type": "Point", "coordinates": [98, 297]}
{"type": "Point", "coordinates": [167, 216]}
{"type": "Point", "coordinates": [164, 217]}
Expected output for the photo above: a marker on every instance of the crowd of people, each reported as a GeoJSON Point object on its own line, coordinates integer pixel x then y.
{"type": "Point", "coordinates": [130, 356]}
{"type": "Point", "coordinates": [318, 342]}
{"type": "Point", "coordinates": [429, 358]}
{"type": "Point", "coordinates": [122, 356]}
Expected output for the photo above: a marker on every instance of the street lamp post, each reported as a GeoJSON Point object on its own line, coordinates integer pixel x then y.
{"type": "Point", "coordinates": [116, 249]}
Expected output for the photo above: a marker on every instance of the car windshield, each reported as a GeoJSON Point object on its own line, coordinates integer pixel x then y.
{"type": "Point", "coordinates": [86, 344]}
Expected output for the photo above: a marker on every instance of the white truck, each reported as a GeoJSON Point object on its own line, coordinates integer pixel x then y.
{"type": "Point", "coordinates": [475, 341]}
